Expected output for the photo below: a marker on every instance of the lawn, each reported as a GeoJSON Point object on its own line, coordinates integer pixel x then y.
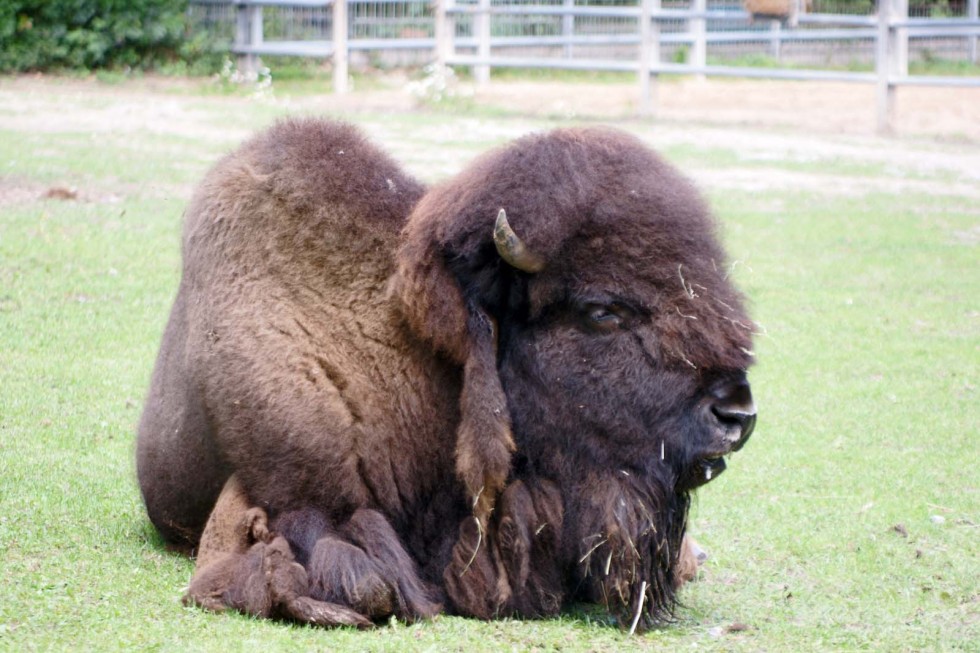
{"type": "Point", "coordinates": [849, 522]}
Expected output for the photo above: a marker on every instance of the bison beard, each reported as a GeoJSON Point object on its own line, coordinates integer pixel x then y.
{"type": "Point", "coordinates": [492, 396]}
{"type": "Point", "coordinates": [628, 542]}
{"type": "Point", "coordinates": [617, 542]}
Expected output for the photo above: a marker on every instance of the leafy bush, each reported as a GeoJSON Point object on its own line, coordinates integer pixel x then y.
{"type": "Point", "coordinates": [88, 34]}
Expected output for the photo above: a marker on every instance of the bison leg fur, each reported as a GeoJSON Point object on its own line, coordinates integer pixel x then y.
{"type": "Point", "coordinates": [266, 582]}
{"type": "Point", "coordinates": [484, 441]}
{"type": "Point", "coordinates": [241, 565]}
{"type": "Point", "coordinates": [527, 547]}
{"type": "Point", "coordinates": [517, 568]}
{"type": "Point", "coordinates": [233, 526]}
{"type": "Point", "coordinates": [340, 572]}
{"type": "Point", "coordinates": [689, 562]}
{"type": "Point", "coordinates": [471, 578]}
{"type": "Point", "coordinates": [369, 530]}
{"type": "Point", "coordinates": [362, 564]}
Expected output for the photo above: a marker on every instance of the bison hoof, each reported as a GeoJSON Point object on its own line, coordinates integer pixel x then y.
{"type": "Point", "coordinates": [320, 613]}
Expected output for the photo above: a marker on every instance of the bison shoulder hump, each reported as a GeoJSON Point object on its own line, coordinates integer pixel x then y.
{"type": "Point", "coordinates": [311, 164]}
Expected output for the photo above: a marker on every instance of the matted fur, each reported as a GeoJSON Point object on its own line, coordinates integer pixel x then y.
{"type": "Point", "coordinates": [423, 423]}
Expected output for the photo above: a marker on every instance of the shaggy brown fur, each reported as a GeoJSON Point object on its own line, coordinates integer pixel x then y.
{"type": "Point", "coordinates": [424, 423]}
{"type": "Point", "coordinates": [241, 565]}
{"type": "Point", "coordinates": [233, 555]}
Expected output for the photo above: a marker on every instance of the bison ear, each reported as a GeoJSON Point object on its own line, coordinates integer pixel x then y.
{"type": "Point", "coordinates": [446, 305]}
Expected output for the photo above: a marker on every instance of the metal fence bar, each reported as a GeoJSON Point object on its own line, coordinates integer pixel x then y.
{"type": "Point", "coordinates": [289, 49]}
{"type": "Point", "coordinates": [267, 3]}
{"type": "Point", "coordinates": [955, 31]}
{"type": "Point", "coordinates": [323, 48]}
{"type": "Point", "coordinates": [673, 38]}
{"type": "Point", "coordinates": [926, 80]}
{"type": "Point", "coordinates": [770, 73]}
{"type": "Point", "coordinates": [604, 65]}
{"type": "Point", "coordinates": [835, 19]}
{"type": "Point", "coordinates": [666, 14]}
{"type": "Point", "coordinates": [551, 10]}
{"type": "Point", "coordinates": [621, 65]}
{"type": "Point", "coordinates": [936, 22]}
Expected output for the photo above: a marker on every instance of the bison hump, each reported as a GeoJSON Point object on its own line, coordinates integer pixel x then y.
{"type": "Point", "coordinates": [307, 196]}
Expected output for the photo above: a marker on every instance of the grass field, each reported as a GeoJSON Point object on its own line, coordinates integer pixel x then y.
{"type": "Point", "coordinates": [850, 521]}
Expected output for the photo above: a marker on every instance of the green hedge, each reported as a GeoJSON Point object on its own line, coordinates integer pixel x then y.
{"type": "Point", "coordinates": [37, 35]}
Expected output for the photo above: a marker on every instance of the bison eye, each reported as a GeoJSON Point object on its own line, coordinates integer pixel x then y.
{"type": "Point", "coordinates": [604, 318]}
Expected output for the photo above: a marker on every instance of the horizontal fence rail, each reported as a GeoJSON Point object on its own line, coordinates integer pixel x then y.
{"type": "Point", "coordinates": [647, 38]}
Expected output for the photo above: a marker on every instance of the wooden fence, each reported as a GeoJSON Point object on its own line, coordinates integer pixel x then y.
{"type": "Point", "coordinates": [475, 34]}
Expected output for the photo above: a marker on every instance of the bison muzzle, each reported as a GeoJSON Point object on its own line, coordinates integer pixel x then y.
{"type": "Point", "coordinates": [493, 396]}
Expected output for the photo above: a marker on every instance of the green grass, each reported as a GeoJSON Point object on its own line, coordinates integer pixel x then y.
{"type": "Point", "coordinates": [866, 382]}
{"type": "Point", "coordinates": [932, 65]}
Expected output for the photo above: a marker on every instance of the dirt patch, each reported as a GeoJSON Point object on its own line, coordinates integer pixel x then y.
{"type": "Point", "coordinates": [18, 191]}
{"type": "Point", "coordinates": [951, 114]}
{"type": "Point", "coordinates": [817, 107]}
{"type": "Point", "coordinates": [15, 190]}
{"type": "Point", "coordinates": [53, 105]}
{"type": "Point", "coordinates": [768, 179]}
{"type": "Point", "coordinates": [814, 134]}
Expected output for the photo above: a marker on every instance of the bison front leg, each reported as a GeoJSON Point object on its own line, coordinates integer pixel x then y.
{"type": "Point", "coordinates": [515, 568]}
{"type": "Point", "coordinates": [371, 532]}
{"type": "Point", "coordinates": [363, 564]}
{"type": "Point", "coordinates": [689, 562]}
{"type": "Point", "coordinates": [528, 547]}
{"type": "Point", "coordinates": [471, 578]}
{"type": "Point", "coordinates": [233, 527]}
{"type": "Point", "coordinates": [243, 566]}
{"type": "Point", "coordinates": [265, 582]}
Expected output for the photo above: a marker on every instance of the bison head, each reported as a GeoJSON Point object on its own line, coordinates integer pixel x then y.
{"type": "Point", "coordinates": [579, 280]}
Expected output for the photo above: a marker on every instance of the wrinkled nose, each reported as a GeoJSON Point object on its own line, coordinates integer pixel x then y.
{"type": "Point", "coordinates": [734, 409]}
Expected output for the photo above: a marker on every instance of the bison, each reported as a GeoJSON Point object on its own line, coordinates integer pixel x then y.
{"type": "Point", "coordinates": [493, 396]}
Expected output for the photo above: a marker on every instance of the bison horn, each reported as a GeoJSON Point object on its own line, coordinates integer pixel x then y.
{"type": "Point", "coordinates": [512, 249]}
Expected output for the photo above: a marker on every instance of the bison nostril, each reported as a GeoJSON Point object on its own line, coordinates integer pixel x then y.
{"type": "Point", "coordinates": [734, 407]}
{"type": "Point", "coordinates": [739, 414]}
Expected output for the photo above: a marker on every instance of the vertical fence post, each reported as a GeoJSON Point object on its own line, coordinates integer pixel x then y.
{"type": "Point", "coordinates": [900, 38]}
{"type": "Point", "coordinates": [243, 37]}
{"type": "Point", "coordinates": [568, 27]}
{"type": "Point", "coordinates": [776, 43]}
{"type": "Point", "coordinates": [649, 53]}
{"type": "Point", "coordinates": [884, 91]}
{"type": "Point", "coordinates": [445, 32]}
{"type": "Point", "coordinates": [255, 37]}
{"type": "Point", "coordinates": [481, 72]}
{"type": "Point", "coordinates": [972, 13]}
{"type": "Point", "coordinates": [340, 46]}
{"type": "Point", "coordinates": [699, 27]}
{"type": "Point", "coordinates": [891, 59]}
